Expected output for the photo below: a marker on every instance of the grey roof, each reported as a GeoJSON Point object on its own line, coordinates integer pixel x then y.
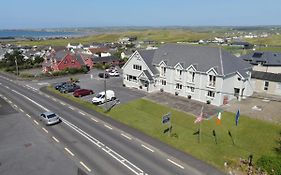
{"type": "Point", "coordinates": [79, 58]}
{"type": "Point", "coordinates": [148, 56]}
{"type": "Point", "coordinates": [59, 55]}
{"type": "Point", "coordinates": [266, 76]}
{"type": "Point", "coordinates": [149, 76]}
{"type": "Point", "coordinates": [264, 58]}
{"type": "Point", "coordinates": [105, 59]}
{"type": "Point", "coordinates": [203, 57]}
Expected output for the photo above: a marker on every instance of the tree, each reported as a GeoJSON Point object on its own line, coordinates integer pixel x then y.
{"type": "Point", "coordinates": [38, 60]}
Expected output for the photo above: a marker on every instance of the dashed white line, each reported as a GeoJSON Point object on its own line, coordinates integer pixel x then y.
{"type": "Point", "coordinates": [94, 120]}
{"type": "Point", "coordinates": [5, 98]}
{"type": "Point", "coordinates": [126, 136]}
{"type": "Point", "coordinates": [147, 148]}
{"type": "Point", "coordinates": [82, 113]}
{"type": "Point", "coordinates": [21, 110]}
{"type": "Point", "coordinates": [35, 122]}
{"type": "Point", "coordinates": [88, 169]}
{"type": "Point", "coordinates": [54, 99]}
{"type": "Point", "coordinates": [108, 126]}
{"type": "Point", "coordinates": [7, 87]}
{"type": "Point", "coordinates": [55, 139]}
{"type": "Point", "coordinates": [176, 164]}
{"type": "Point", "coordinates": [70, 107]}
{"type": "Point", "coordinates": [15, 106]}
{"type": "Point", "coordinates": [45, 130]}
{"type": "Point", "coordinates": [28, 115]}
{"type": "Point", "coordinates": [10, 102]}
{"type": "Point", "coordinates": [62, 103]}
{"type": "Point", "coordinates": [66, 149]}
{"type": "Point", "coordinates": [47, 96]}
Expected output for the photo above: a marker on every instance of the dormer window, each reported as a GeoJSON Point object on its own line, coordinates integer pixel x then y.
{"type": "Point", "coordinates": [163, 71]}
{"type": "Point", "coordinates": [212, 80]}
{"type": "Point", "coordinates": [191, 76]}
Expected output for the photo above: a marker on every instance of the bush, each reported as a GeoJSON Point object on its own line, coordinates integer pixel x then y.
{"type": "Point", "coordinates": [271, 164]}
{"type": "Point", "coordinates": [26, 75]}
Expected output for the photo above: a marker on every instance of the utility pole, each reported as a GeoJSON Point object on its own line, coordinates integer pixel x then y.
{"type": "Point", "coordinates": [105, 90]}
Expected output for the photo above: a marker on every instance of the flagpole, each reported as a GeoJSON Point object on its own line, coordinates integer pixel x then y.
{"type": "Point", "coordinates": [200, 132]}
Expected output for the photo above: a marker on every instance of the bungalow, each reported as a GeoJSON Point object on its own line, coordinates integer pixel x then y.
{"type": "Point", "coordinates": [201, 73]}
{"type": "Point", "coordinates": [266, 77]}
{"type": "Point", "coordinates": [111, 60]}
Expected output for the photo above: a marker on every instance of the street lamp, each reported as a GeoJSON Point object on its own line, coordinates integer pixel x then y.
{"type": "Point", "coordinates": [105, 89]}
{"type": "Point", "coordinates": [17, 68]}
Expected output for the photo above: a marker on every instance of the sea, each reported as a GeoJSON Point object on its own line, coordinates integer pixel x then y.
{"type": "Point", "coordinates": [37, 34]}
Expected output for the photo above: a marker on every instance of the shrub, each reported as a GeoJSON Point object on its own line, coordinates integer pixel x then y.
{"type": "Point", "coordinates": [271, 164]}
{"type": "Point", "coordinates": [26, 75]}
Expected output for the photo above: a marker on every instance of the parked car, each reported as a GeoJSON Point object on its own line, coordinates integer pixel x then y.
{"type": "Point", "coordinates": [100, 98]}
{"type": "Point", "coordinates": [69, 88]}
{"type": "Point", "coordinates": [49, 118]}
{"type": "Point", "coordinates": [82, 92]}
{"type": "Point", "coordinates": [103, 75]}
{"type": "Point", "coordinates": [111, 69]}
{"type": "Point", "coordinates": [114, 74]}
{"type": "Point", "coordinates": [59, 85]}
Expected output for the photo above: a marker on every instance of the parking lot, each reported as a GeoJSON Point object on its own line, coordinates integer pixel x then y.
{"type": "Point", "coordinates": [92, 81]}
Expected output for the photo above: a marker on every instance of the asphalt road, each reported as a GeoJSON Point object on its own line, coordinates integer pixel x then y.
{"type": "Point", "coordinates": [94, 145]}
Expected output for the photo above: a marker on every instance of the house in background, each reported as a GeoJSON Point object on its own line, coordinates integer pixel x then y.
{"type": "Point", "coordinates": [57, 61]}
{"type": "Point", "coordinates": [266, 75]}
{"type": "Point", "coordinates": [111, 60]}
{"type": "Point", "coordinates": [201, 73]}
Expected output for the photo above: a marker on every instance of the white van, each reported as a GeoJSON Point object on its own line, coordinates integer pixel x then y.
{"type": "Point", "coordinates": [100, 98]}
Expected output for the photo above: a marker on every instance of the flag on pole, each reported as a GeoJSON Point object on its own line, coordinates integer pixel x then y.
{"type": "Point", "coordinates": [200, 117]}
{"type": "Point", "coordinates": [237, 117]}
{"type": "Point", "coordinates": [219, 119]}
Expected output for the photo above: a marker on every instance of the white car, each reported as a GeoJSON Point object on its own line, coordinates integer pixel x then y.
{"type": "Point", "coordinates": [100, 98]}
{"type": "Point", "coordinates": [114, 74]}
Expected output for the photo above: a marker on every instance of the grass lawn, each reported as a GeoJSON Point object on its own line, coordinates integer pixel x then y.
{"type": "Point", "coordinates": [251, 136]}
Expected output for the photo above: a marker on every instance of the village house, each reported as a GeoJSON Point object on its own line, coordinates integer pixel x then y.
{"type": "Point", "coordinates": [60, 60]}
{"type": "Point", "coordinates": [266, 75]}
{"type": "Point", "coordinates": [200, 73]}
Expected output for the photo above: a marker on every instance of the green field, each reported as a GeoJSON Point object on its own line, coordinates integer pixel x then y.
{"type": "Point", "coordinates": [159, 35]}
{"type": "Point", "coordinates": [251, 136]}
{"type": "Point", "coordinates": [273, 40]}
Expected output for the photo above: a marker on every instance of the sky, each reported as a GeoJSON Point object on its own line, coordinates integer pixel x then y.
{"type": "Point", "coordinates": [25, 14]}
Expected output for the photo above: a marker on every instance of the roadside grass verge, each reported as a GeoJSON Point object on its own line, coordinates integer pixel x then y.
{"type": "Point", "coordinates": [251, 136]}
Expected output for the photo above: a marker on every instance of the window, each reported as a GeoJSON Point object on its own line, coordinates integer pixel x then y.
{"type": "Point", "coordinates": [178, 73]}
{"type": "Point", "coordinates": [191, 76]}
{"type": "Point", "coordinates": [190, 89]}
{"type": "Point", "coordinates": [266, 84]}
{"type": "Point", "coordinates": [72, 61]}
{"type": "Point", "coordinates": [211, 94]}
{"type": "Point", "coordinates": [65, 61]}
{"type": "Point", "coordinates": [178, 86]}
{"type": "Point", "coordinates": [131, 78]}
{"type": "Point", "coordinates": [163, 71]}
{"type": "Point", "coordinates": [137, 67]}
{"type": "Point", "coordinates": [164, 82]}
{"type": "Point", "coordinates": [212, 80]}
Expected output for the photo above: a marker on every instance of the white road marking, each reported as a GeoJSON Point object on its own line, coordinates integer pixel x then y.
{"type": "Point", "coordinates": [31, 87]}
{"type": "Point", "coordinates": [54, 99]}
{"type": "Point", "coordinates": [5, 98]}
{"type": "Point", "coordinates": [136, 170]}
{"type": "Point", "coordinates": [7, 87]}
{"type": "Point", "coordinates": [21, 110]}
{"type": "Point", "coordinates": [43, 83]}
{"type": "Point", "coordinates": [88, 169]}
{"type": "Point", "coordinates": [82, 113]}
{"type": "Point", "coordinates": [45, 130]}
{"type": "Point", "coordinates": [66, 149]}
{"type": "Point", "coordinates": [126, 136]}
{"type": "Point", "coordinates": [36, 122]}
{"type": "Point", "coordinates": [9, 101]}
{"type": "Point", "coordinates": [147, 148]}
{"type": "Point", "coordinates": [70, 107]}
{"type": "Point", "coordinates": [176, 164]}
{"type": "Point", "coordinates": [108, 126]}
{"type": "Point", "coordinates": [55, 139]}
{"type": "Point", "coordinates": [28, 115]}
{"type": "Point", "coordinates": [62, 103]}
{"type": "Point", "coordinates": [47, 96]}
{"type": "Point", "coordinates": [94, 120]}
{"type": "Point", "coordinates": [15, 106]}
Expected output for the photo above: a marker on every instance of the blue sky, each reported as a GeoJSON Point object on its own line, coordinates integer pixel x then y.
{"type": "Point", "coordinates": [15, 14]}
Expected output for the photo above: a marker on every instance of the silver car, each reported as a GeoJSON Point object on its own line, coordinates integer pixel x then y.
{"type": "Point", "coordinates": [49, 118]}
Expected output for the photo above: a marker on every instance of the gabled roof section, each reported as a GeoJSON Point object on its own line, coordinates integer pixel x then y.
{"type": "Point", "coordinates": [148, 75]}
{"type": "Point", "coordinates": [181, 65]}
{"type": "Point", "coordinates": [147, 56]}
{"type": "Point", "coordinates": [193, 67]}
